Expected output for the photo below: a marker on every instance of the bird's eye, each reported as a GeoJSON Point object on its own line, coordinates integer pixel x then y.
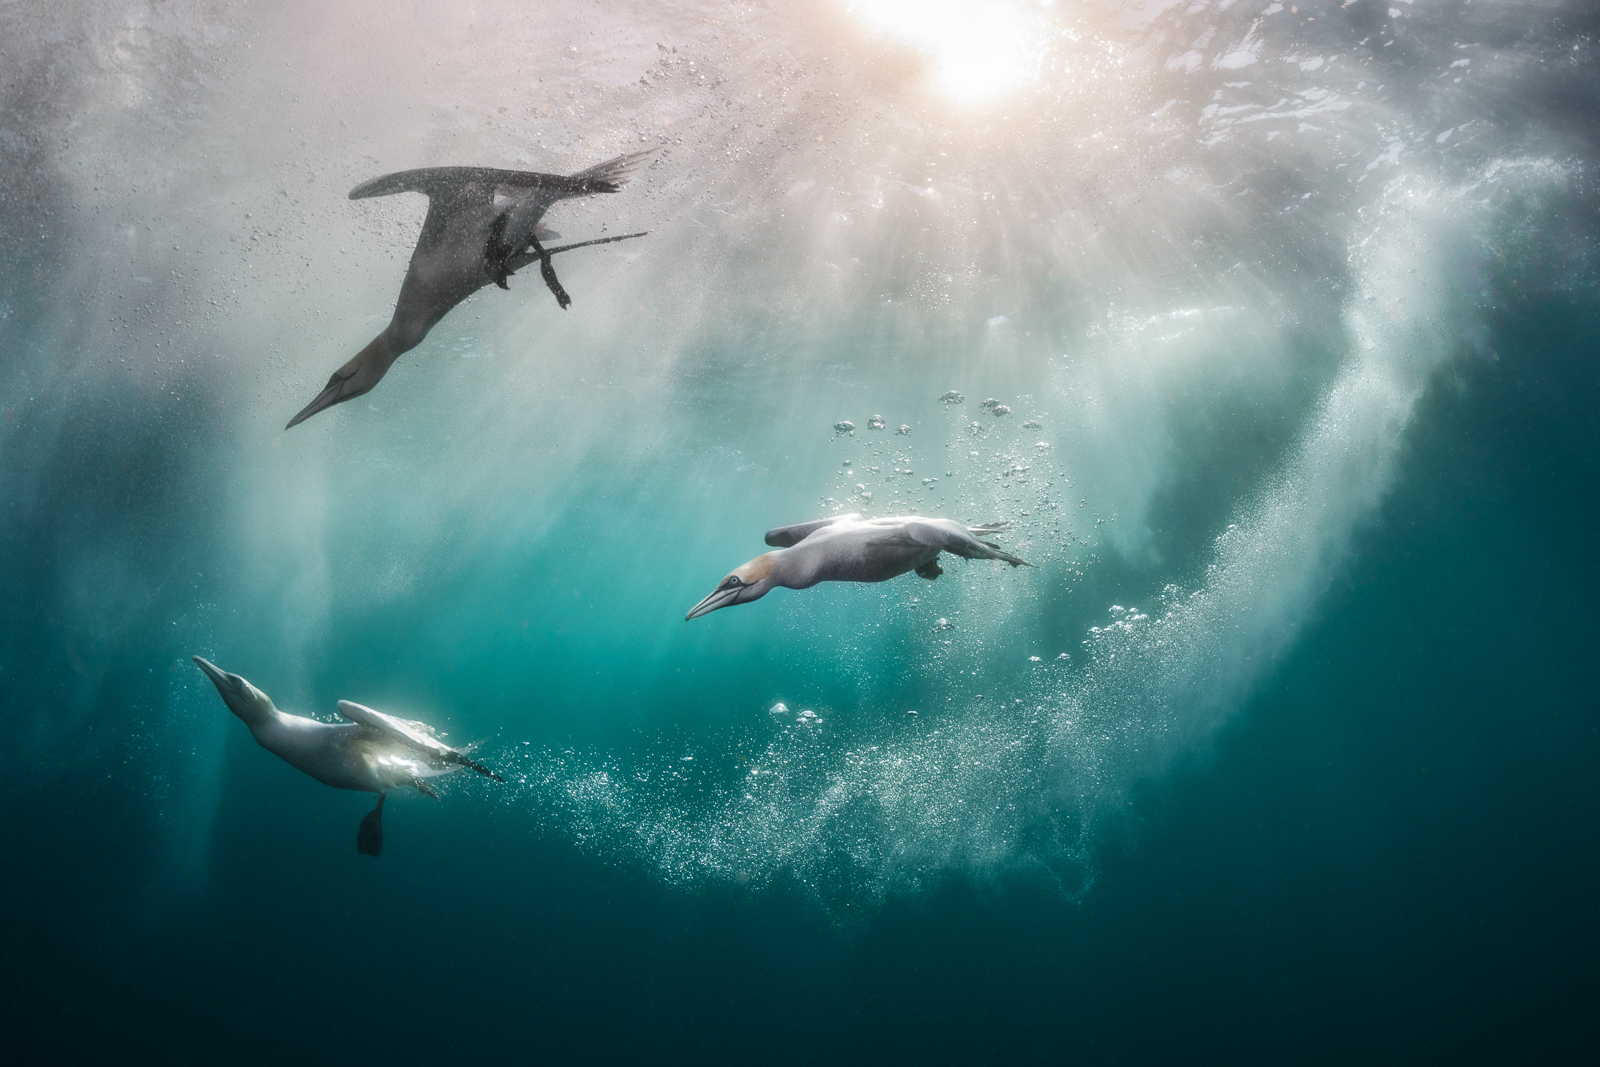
{"type": "Point", "coordinates": [733, 582]}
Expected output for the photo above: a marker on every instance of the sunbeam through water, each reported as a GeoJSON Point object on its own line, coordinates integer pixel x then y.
{"type": "Point", "coordinates": [1186, 295]}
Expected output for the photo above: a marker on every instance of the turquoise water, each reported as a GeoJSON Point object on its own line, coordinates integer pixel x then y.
{"type": "Point", "coordinates": [1284, 751]}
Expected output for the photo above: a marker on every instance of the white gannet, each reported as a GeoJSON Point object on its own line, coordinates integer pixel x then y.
{"type": "Point", "coordinates": [372, 753]}
{"type": "Point", "coordinates": [482, 225]}
{"type": "Point", "coordinates": [848, 548]}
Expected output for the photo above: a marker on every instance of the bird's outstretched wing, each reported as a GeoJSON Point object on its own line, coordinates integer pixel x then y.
{"type": "Point", "coordinates": [958, 540]}
{"type": "Point", "coordinates": [607, 177]}
{"type": "Point", "coordinates": [418, 736]}
{"type": "Point", "coordinates": [789, 536]}
{"type": "Point", "coordinates": [456, 191]}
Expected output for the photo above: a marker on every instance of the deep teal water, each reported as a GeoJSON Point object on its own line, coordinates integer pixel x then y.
{"type": "Point", "coordinates": [1317, 780]}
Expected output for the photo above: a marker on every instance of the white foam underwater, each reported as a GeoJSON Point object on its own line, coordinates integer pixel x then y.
{"type": "Point", "coordinates": [1027, 778]}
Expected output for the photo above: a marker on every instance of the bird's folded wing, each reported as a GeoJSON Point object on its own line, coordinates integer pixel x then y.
{"type": "Point", "coordinates": [941, 534]}
{"type": "Point", "coordinates": [450, 181]}
{"type": "Point", "coordinates": [958, 540]}
{"type": "Point", "coordinates": [414, 735]}
{"type": "Point", "coordinates": [789, 536]}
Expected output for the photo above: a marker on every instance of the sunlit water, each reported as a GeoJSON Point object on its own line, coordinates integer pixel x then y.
{"type": "Point", "coordinates": [1162, 284]}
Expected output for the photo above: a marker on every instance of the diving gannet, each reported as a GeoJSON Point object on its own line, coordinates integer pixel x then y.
{"type": "Point", "coordinates": [373, 753]}
{"type": "Point", "coordinates": [848, 548]}
{"type": "Point", "coordinates": [482, 225]}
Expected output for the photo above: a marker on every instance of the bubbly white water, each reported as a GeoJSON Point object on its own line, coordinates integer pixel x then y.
{"type": "Point", "coordinates": [1025, 777]}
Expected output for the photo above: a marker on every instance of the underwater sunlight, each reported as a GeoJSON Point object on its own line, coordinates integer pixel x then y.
{"type": "Point", "coordinates": [1039, 409]}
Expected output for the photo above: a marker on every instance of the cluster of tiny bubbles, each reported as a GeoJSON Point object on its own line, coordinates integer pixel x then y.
{"type": "Point", "coordinates": [850, 814]}
{"type": "Point", "coordinates": [861, 494]}
{"type": "Point", "coordinates": [881, 800]}
{"type": "Point", "coordinates": [994, 471]}
{"type": "Point", "coordinates": [1000, 470]}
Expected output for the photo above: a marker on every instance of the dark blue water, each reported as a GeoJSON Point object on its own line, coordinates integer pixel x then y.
{"type": "Point", "coordinates": [1312, 491]}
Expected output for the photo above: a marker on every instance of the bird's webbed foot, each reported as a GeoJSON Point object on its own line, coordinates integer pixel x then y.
{"type": "Point", "coordinates": [930, 570]}
{"type": "Point", "coordinates": [548, 272]}
{"type": "Point", "coordinates": [496, 252]}
{"type": "Point", "coordinates": [369, 839]}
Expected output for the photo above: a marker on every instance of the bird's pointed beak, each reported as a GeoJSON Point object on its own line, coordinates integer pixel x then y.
{"type": "Point", "coordinates": [219, 677]}
{"type": "Point", "coordinates": [334, 393]}
{"type": "Point", "coordinates": [364, 370]}
{"type": "Point", "coordinates": [233, 689]}
{"type": "Point", "coordinates": [242, 698]}
{"type": "Point", "coordinates": [719, 598]}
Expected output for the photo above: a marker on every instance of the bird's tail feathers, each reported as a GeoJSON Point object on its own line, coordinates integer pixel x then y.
{"type": "Point", "coordinates": [468, 761]}
{"type": "Point", "coordinates": [613, 174]}
{"type": "Point", "coordinates": [1015, 561]}
{"type": "Point", "coordinates": [999, 553]}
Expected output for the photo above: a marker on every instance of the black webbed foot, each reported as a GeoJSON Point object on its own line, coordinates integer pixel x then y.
{"type": "Point", "coordinates": [496, 252]}
{"type": "Point", "coordinates": [930, 570]}
{"type": "Point", "coordinates": [549, 274]}
{"type": "Point", "coordinates": [369, 839]}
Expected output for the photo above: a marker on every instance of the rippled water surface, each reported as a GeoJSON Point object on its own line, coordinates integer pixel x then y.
{"type": "Point", "coordinates": [1268, 328]}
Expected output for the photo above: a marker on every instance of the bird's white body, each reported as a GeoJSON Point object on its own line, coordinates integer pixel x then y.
{"type": "Point", "coordinates": [853, 549]}
{"type": "Point", "coordinates": [371, 753]}
{"type": "Point", "coordinates": [343, 755]}
{"type": "Point", "coordinates": [849, 548]}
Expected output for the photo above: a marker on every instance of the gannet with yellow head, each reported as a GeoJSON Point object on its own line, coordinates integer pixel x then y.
{"type": "Point", "coordinates": [849, 548]}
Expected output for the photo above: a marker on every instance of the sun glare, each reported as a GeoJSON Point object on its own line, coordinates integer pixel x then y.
{"type": "Point", "coordinates": [979, 50]}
